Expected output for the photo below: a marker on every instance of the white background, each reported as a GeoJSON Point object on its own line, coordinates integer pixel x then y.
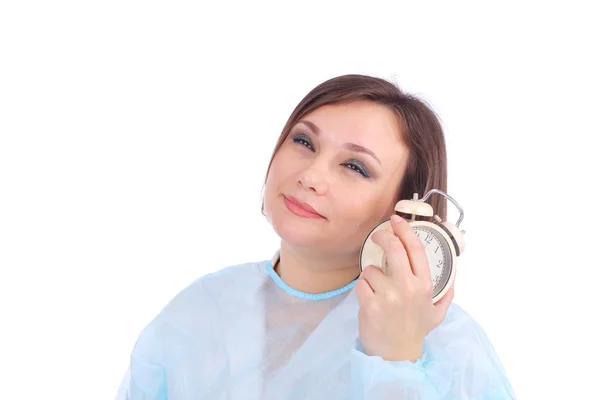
{"type": "Point", "coordinates": [134, 138]}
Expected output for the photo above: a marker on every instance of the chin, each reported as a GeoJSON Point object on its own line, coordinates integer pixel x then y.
{"type": "Point", "coordinates": [294, 236]}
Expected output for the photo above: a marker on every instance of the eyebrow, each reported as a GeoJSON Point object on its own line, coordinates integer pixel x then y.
{"type": "Point", "coordinates": [350, 146]}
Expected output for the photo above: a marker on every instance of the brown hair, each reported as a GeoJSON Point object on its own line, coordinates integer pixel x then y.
{"type": "Point", "coordinates": [419, 126]}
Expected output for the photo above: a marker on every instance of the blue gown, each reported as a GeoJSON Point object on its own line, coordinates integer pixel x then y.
{"type": "Point", "coordinates": [242, 333]}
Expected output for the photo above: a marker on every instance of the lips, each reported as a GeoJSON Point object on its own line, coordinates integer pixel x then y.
{"type": "Point", "coordinates": [300, 207]}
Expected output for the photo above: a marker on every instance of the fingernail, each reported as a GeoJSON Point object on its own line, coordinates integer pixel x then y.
{"type": "Point", "coordinates": [396, 218]}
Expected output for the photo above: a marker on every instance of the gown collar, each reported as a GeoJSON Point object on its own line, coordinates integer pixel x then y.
{"type": "Point", "coordinates": [297, 293]}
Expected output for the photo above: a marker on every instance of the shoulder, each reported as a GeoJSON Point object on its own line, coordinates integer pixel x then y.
{"type": "Point", "coordinates": [458, 326]}
{"type": "Point", "coordinates": [187, 327]}
{"type": "Point", "coordinates": [194, 312]}
{"type": "Point", "coordinates": [458, 316]}
{"type": "Point", "coordinates": [462, 342]}
{"type": "Point", "coordinates": [225, 276]}
{"type": "Point", "coordinates": [212, 288]}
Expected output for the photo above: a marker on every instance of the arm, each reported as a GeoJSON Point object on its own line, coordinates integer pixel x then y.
{"type": "Point", "coordinates": [144, 379]}
{"type": "Point", "coordinates": [164, 349]}
{"type": "Point", "coordinates": [458, 362]}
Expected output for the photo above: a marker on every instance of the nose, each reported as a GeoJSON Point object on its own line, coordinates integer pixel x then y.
{"type": "Point", "coordinates": [314, 179]}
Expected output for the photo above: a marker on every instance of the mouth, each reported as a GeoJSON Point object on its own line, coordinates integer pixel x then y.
{"type": "Point", "coordinates": [300, 208]}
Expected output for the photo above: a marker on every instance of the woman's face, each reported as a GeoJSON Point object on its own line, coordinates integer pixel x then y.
{"type": "Point", "coordinates": [346, 161]}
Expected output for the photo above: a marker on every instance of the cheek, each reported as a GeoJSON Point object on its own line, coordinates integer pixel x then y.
{"type": "Point", "coordinates": [360, 213]}
{"type": "Point", "coordinates": [356, 212]}
{"type": "Point", "coordinates": [285, 168]}
{"type": "Point", "coordinates": [277, 173]}
{"type": "Point", "coordinates": [280, 178]}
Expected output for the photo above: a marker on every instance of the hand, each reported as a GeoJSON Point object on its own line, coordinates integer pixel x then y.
{"type": "Point", "coordinates": [396, 310]}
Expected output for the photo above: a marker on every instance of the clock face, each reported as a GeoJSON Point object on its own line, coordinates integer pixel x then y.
{"type": "Point", "coordinates": [438, 255]}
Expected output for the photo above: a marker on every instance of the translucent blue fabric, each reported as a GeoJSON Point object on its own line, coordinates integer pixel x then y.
{"type": "Point", "coordinates": [242, 333]}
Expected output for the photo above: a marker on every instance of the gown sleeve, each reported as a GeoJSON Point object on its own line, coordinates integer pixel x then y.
{"type": "Point", "coordinates": [458, 362]}
{"type": "Point", "coordinates": [167, 343]}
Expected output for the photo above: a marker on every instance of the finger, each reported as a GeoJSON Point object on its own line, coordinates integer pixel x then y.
{"type": "Point", "coordinates": [376, 279]}
{"type": "Point", "coordinates": [364, 292]}
{"type": "Point", "coordinates": [395, 254]}
{"type": "Point", "coordinates": [415, 251]}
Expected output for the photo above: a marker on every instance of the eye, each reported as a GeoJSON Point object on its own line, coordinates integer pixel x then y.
{"type": "Point", "coordinates": [353, 165]}
{"type": "Point", "coordinates": [304, 141]}
{"type": "Point", "coordinates": [357, 166]}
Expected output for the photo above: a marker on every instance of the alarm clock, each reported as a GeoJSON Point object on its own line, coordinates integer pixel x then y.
{"type": "Point", "coordinates": [443, 242]}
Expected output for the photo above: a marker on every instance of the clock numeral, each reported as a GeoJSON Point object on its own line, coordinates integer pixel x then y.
{"type": "Point", "coordinates": [429, 238]}
{"type": "Point", "coordinates": [436, 249]}
{"type": "Point", "coordinates": [436, 280]}
{"type": "Point", "coordinates": [440, 264]}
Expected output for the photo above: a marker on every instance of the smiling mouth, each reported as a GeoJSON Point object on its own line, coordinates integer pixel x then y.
{"type": "Point", "coordinates": [299, 209]}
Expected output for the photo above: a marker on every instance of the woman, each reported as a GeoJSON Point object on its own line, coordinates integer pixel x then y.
{"type": "Point", "coordinates": [307, 324]}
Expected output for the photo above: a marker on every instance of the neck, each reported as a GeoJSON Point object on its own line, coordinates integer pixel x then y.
{"type": "Point", "coordinates": [315, 273]}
